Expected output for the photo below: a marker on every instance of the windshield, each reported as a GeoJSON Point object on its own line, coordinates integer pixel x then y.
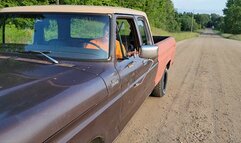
{"type": "Point", "coordinates": [67, 36]}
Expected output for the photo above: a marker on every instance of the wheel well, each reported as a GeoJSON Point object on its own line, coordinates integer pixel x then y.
{"type": "Point", "coordinates": [168, 65]}
{"type": "Point", "coordinates": [98, 140]}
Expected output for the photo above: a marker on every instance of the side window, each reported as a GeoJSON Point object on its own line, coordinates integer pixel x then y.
{"type": "Point", "coordinates": [51, 31]}
{"type": "Point", "coordinates": [143, 32]}
{"type": "Point", "coordinates": [127, 42]}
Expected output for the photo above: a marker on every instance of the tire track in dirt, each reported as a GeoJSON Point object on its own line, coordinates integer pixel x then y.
{"type": "Point", "coordinates": [191, 134]}
{"type": "Point", "coordinates": [226, 103]}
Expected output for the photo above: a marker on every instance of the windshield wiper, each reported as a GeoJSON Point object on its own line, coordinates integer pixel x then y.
{"type": "Point", "coordinates": [41, 53]}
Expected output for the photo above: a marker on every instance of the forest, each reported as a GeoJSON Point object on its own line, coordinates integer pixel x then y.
{"type": "Point", "coordinates": [161, 13]}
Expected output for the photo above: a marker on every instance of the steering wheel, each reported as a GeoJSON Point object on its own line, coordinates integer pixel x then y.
{"type": "Point", "coordinates": [97, 46]}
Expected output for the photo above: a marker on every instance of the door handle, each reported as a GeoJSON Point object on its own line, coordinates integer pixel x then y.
{"type": "Point", "coordinates": [131, 64]}
{"type": "Point", "coordinates": [145, 74]}
{"type": "Point", "coordinates": [137, 84]}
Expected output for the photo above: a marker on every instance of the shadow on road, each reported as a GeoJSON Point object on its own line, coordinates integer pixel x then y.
{"type": "Point", "coordinates": [209, 33]}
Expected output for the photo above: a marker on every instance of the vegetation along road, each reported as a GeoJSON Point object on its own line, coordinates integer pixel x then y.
{"type": "Point", "coordinates": [203, 101]}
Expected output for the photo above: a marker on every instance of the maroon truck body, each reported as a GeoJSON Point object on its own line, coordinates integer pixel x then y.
{"type": "Point", "coordinates": [78, 101]}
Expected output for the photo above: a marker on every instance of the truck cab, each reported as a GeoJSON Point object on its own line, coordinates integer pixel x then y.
{"type": "Point", "coordinates": [76, 73]}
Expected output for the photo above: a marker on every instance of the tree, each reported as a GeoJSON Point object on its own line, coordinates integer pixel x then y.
{"type": "Point", "coordinates": [187, 22]}
{"type": "Point", "coordinates": [232, 18]}
{"type": "Point", "coordinates": [161, 13]}
{"type": "Point", "coordinates": [202, 19]}
{"type": "Point", "coordinates": [217, 22]}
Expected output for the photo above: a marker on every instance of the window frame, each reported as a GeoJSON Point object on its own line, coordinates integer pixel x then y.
{"type": "Point", "coordinates": [146, 28]}
{"type": "Point", "coordinates": [125, 16]}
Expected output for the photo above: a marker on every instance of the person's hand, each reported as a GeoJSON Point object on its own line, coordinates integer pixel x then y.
{"type": "Point", "coordinates": [132, 53]}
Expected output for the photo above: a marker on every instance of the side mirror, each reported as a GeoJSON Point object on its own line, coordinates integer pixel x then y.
{"type": "Point", "coordinates": [149, 51]}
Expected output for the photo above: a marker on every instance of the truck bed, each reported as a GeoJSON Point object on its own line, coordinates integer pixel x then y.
{"type": "Point", "coordinates": [157, 39]}
{"type": "Point", "coordinates": [167, 47]}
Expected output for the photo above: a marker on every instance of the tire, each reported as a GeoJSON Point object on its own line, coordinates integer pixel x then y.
{"type": "Point", "coordinates": [97, 140]}
{"type": "Point", "coordinates": [160, 89]}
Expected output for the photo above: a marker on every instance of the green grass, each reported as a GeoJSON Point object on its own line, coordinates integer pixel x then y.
{"type": "Point", "coordinates": [16, 38]}
{"type": "Point", "coordinates": [19, 36]}
{"type": "Point", "coordinates": [229, 36]}
{"type": "Point", "coordinates": [232, 36]}
{"type": "Point", "coordinates": [179, 36]}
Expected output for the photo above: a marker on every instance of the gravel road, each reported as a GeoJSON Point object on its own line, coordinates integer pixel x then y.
{"type": "Point", "coordinates": [203, 102]}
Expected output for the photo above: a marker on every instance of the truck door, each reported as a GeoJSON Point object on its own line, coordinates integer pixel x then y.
{"type": "Point", "coordinates": [131, 67]}
{"type": "Point", "coordinates": [145, 37]}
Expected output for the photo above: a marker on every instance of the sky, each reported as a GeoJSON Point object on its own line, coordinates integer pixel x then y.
{"type": "Point", "coordinates": [200, 6]}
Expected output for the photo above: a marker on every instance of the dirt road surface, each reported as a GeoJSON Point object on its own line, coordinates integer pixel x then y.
{"type": "Point", "coordinates": [203, 102]}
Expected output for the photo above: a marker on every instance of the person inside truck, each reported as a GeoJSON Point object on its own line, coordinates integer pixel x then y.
{"type": "Point", "coordinates": [103, 43]}
{"type": "Point", "coordinates": [126, 34]}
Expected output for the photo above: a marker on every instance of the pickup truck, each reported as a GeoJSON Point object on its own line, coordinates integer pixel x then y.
{"type": "Point", "coordinates": [76, 73]}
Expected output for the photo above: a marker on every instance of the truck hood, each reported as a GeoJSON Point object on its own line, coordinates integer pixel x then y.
{"type": "Point", "coordinates": [50, 94]}
{"type": "Point", "coordinates": [14, 73]}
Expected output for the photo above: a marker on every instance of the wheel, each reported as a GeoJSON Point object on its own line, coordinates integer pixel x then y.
{"type": "Point", "coordinates": [160, 89]}
{"type": "Point", "coordinates": [97, 140]}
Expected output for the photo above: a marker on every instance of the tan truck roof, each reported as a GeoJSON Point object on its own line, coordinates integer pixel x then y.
{"type": "Point", "coordinates": [73, 9]}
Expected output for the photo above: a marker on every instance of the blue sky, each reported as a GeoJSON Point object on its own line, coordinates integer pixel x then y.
{"type": "Point", "coordinates": [200, 6]}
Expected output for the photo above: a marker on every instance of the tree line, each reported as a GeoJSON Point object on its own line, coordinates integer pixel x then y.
{"type": "Point", "coordinates": [232, 17]}
{"type": "Point", "coordinates": [161, 13]}
{"type": "Point", "coordinates": [229, 23]}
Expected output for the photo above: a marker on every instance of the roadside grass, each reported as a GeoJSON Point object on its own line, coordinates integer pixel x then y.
{"type": "Point", "coordinates": [15, 35]}
{"type": "Point", "coordinates": [179, 36]}
{"type": "Point", "coordinates": [232, 36]}
{"type": "Point", "coordinates": [229, 36]}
